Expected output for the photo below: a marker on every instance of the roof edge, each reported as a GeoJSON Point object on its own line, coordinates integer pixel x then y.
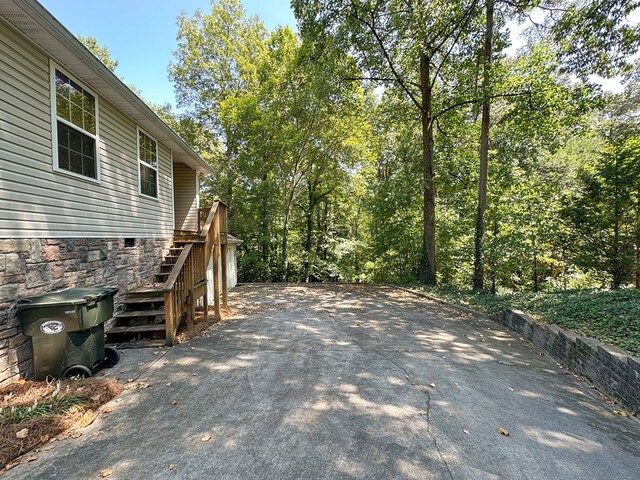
{"type": "Point", "coordinates": [75, 46]}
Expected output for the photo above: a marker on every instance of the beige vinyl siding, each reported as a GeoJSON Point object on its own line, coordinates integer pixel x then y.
{"type": "Point", "coordinates": [186, 199]}
{"type": "Point", "coordinates": [35, 201]}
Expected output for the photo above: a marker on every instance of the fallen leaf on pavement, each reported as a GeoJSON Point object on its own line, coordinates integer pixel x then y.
{"type": "Point", "coordinates": [422, 412]}
{"type": "Point", "coordinates": [174, 402]}
{"type": "Point", "coordinates": [465, 431]}
{"type": "Point", "coordinates": [503, 431]}
{"type": "Point", "coordinates": [143, 385]}
{"type": "Point", "coordinates": [87, 418]}
{"type": "Point", "coordinates": [22, 433]}
{"type": "Point", "coordinates": [107, 410]}
{"type": "Point", "coordinates": [172, 466]}
{"type": "Point", "coordinates": [75, 434]}
{"type": "Point", "coordinates": [206, 438]}
{"type": "Point", "coordinates": [622, 413]}
{"type": "Point", "coordinates": [511, 389]}
{"type": "Point", "coordinates": [22, 461]}
{"type": "Point", "coordinates": [105, 472]}
{"type": "Point", "coordinates": [432, 385]}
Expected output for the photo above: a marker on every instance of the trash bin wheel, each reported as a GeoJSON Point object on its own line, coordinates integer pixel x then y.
{"type": "Point", "coordinates": [111, 357]}
{"type": "Point", "coordinates": [77, 371]}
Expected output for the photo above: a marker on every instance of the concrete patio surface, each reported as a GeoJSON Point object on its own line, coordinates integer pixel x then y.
{"type": "Point", "coordinates": [344, 381]}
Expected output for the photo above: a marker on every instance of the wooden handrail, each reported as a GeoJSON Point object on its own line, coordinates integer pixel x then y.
{"type": "Point", "coordinates": [209, 221]}
{"type": "Point", "coordinates": [177, 267]}
{"type": "Point", "coordinates": [189, 273]}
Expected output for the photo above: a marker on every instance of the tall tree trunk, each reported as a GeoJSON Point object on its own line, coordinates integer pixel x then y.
{"type": "Point", "coordinates": [325, 229]}
{"type": "Point", "coordinates": [564, 265]}
{"type": "Point", "coordinates": [356, 235]}
{"type": "Point", "coordinates": [285, 235]}
{"type": "Point", "coordinates": [616, 261]}
{"type": "Point", "coordinates": [636, 247]}
{"type": "Point", "coordinates": [535, 272]}
{"type": "Point", "coordinates": [285, 245]}
{"type": "Point", "coordinates": [492, 258]}
{"type": "Point", "coordinates": [428, 264]}
{"type": "Point", "coordinates": [311, 187]}
{"type": "Point", "coordinates": [229, 154]}
{"type": "Point", "coordinates": [265, 237]}
{"type": "Point", "coordinates": [478, 264]}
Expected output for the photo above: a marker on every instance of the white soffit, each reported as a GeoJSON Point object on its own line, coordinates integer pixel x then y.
{"type": "Point", "coordinates": [41, 28]}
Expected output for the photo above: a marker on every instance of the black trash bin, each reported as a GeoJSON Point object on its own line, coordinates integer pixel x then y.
{"type": "Point", "coordinates": [67, 331]}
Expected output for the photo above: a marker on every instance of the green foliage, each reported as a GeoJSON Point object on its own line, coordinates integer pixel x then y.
{"type": "Point", "coordinates": [596, 36]}
{"type": "Point", "coordinates": [319, 145]}
{"type": "Point", "coordinates": [610, 316]}
{"type": "Point", "coordinates": [59, 403]}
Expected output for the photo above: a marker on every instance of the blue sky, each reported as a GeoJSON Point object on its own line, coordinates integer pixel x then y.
{"type": "Point", "coordinates": [141, 34]}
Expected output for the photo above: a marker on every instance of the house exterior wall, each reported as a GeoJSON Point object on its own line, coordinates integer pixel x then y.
{"type": "Point", "coordinates": [185, 197]}
{"type": "Point", "coordinates": [34, 266]}
{"type": "Point", "coordinates": [57, 230]}
{"type": "Point", "coordinates": [35, 201]}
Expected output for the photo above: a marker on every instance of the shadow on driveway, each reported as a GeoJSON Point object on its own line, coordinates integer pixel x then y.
{"type": "Point", "coordinates": [344, 381]}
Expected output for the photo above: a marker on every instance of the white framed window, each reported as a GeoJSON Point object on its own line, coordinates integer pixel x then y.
{"type": "Point", "coordinates": [74, 127]}
{"type": "Point", "coordinates": [147, 165]}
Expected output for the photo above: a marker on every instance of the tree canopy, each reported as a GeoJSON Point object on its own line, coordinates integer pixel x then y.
{"type": "Point", "coordinates": [404, 141]}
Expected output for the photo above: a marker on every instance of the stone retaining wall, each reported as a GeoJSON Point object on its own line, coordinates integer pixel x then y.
{"type": "Point", "coordinates": [33, 266]}
{"type": "Point", "coordinates": [611, 370]}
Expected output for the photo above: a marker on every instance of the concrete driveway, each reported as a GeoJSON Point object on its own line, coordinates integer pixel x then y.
{"type": "Point", "coordinates": [328, 382]}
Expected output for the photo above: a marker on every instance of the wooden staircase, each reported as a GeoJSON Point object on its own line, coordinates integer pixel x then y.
{"type": "Point", "coordinates": [180, 281]}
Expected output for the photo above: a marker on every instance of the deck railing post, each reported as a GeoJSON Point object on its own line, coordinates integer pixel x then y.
{"type": "Point", "coordinates": [168, 318]}
{"type": "Point", "coordinates": [216, 264]}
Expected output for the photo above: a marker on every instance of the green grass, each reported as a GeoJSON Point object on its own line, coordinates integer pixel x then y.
{"type": "Point", "coordinates": [58, 404]}
{"type": "Point", "coordinates": [609, 316]}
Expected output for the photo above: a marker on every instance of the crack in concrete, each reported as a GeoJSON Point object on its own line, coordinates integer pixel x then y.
{"type": "Point", "coordinates": [428, 409]}
{"type": "Point", "coordinates": [410, 382]}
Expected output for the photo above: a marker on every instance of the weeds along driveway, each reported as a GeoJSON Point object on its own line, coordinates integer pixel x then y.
{"type": "Point", "coordinates": [333, 381]}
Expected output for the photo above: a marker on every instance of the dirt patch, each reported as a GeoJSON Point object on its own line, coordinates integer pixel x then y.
{"type": "Point", "coordinates": [36, 413]}
{"type": "Point", "coordinates": [200, 325]}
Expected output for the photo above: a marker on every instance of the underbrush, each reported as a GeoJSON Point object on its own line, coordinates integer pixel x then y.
{"type": "Point", "coordinates": [35, 413]}
{"type": "Point", "coordinates": [610, 316]}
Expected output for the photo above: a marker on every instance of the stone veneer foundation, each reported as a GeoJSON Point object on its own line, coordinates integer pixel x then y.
{"type": "Point", "coordinates": [34, 266]}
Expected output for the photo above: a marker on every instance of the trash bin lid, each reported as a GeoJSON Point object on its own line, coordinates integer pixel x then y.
{"type": "Point", "coordinates": [69, 296]}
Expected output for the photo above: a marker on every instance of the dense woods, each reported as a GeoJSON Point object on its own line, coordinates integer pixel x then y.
{"type": "Point", "coordinates": [405, 141]}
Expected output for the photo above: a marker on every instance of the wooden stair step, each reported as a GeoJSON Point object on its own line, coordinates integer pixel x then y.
{"type": "Point", "coordinates": [149, 290]}
{"type": "Point", "coordinates": [136, 300]}
{"type": "Point", "coordinates": [140, 313]}
{"type": "Point", "coordinates": [156, 327]}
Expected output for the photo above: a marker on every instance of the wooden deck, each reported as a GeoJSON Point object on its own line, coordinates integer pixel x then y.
{"type": "Point", "coordinates": [181, 281]}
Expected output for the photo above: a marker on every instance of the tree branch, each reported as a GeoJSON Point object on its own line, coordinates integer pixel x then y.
{"type": "Point", "coordinates": [378, 79]}
{"type": "Point", "coordinates": [385, 54]}
{"type": "Point", "coordinates": [476, 100]}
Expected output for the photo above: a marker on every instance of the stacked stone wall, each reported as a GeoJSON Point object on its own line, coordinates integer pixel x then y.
{"type": "Point", "coordinates": [34, 266]}
{"type": "Point", "coordinates": [611, 370]}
